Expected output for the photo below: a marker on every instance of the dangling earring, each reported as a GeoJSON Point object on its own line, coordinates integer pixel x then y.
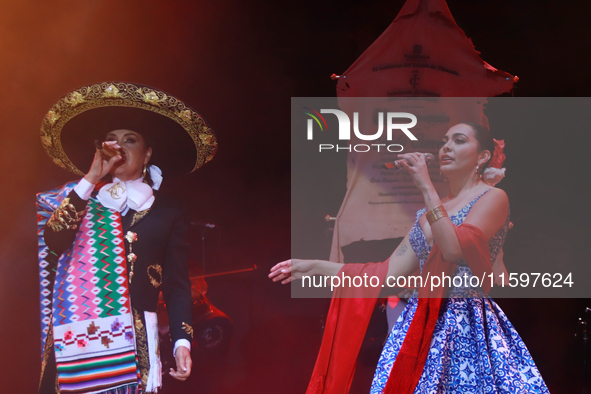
{"type": "Point", "coordinates": [145, 170]}
{"type": "Point", "coordinates": [443, 177]}
{"type": "Point", "coordinates": [476, 172]}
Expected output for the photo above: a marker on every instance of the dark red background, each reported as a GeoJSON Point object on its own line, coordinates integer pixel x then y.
{"type": "Point", "coordinates": [238, 63]}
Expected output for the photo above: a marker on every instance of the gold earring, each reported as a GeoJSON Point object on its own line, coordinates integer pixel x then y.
{"type": "Point", "coordinates": [145, 170]}
{"type": "Point", "coordinates": [477, 173]}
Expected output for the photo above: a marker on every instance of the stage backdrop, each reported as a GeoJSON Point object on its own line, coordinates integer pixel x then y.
{"type": "Point", "coordinates": [421, 57]}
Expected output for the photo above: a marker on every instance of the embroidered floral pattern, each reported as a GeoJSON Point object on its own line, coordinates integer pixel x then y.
{"type": "Point", "coordinates": [94, 333]}
{"type": "Point", "coordinates": [138, 216]}
{"type": "Point", "coordinates": [65, 217]}
{"type": "Point", "coordinates": [131, 237]}
{"type": "Point", "coordinates": [188, 329]}
{"type": "Point", "coordinates": [155, 275]}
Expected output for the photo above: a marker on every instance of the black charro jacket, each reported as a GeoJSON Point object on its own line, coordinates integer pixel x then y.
{"type": "Point", "coordinates": [161, 265]}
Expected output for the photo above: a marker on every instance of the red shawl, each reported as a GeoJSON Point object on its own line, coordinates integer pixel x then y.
{"type": "Point", "coordinates": [348, 319]}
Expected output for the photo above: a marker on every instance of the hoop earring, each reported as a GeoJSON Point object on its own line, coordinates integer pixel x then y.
{"type": "Point", "coordinates": [478, 172]}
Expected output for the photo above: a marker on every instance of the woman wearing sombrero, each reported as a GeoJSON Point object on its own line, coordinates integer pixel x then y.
{"type": "Point", "coordinates": [109, 242]}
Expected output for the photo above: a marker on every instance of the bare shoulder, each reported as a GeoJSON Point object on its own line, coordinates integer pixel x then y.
{"type": "Point", "coordinates": [490, 212]}
{"type": "Point", "coordinates": [494, 200]}
{"type": "Point", "coordinates": [497, 195]}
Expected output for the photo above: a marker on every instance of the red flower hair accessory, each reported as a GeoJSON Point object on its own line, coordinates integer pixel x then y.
{"type": "Point", "coordinates": [498, 157]}
{"type": "Point", "coordinates": [494, 173]}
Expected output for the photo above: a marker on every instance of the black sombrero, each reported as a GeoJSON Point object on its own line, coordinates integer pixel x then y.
{"type": "Point", "coordinates": [181, 139]}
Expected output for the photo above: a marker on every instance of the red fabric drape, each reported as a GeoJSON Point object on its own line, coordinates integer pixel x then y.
{"type": "Point", "coordinates": [345, 328]}
{"type": "Point", "coordinates": [348, 319]}
{"type": "Point", "coordinates": [412, 356]}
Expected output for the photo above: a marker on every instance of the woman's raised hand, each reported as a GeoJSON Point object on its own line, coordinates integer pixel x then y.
{"type": "Point", "coordinates": [417, 168]}
{"type": "Point", "coordinates": [101, 165]}
{"type": "Point", "coordinates": [293, 269]}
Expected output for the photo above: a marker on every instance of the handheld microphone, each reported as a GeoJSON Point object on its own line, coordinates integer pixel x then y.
{"type": "Point", "coordinates": [396, 164]}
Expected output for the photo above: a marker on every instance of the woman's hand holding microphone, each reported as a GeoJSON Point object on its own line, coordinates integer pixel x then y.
{"type": "Point", "coordinates": [416, 165]}
{"type": "Point", "coordinates": [105, 158]}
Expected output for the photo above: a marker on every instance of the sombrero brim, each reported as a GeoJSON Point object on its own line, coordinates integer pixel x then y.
{"type": "Point", "coordinates": [180, 138]}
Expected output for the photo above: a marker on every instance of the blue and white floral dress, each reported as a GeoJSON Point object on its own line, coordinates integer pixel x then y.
{"type": "Point", "coordinates": [475, 348]}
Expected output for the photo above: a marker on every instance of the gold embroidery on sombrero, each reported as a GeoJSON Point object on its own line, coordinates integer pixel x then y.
{"type": "Point", "coordinates": [52, 117]}
{"type": "Point", "coordinates": [111, 92]}
{"type": "Point", "coordinates": [151, 97]}
{"type": "Point", "coordinates": [185, 115]}
{"type": "Point", "coordinates": [123, 94]}
{"type": "Point", "coordinates": [75, 99]}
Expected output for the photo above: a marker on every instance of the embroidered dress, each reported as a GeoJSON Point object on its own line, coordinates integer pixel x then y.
{"type": "Point", "coordinates": [475, 348]}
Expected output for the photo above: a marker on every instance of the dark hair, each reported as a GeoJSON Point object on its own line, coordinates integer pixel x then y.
{"type": "Point", "coordinates": [484, 138]}
{"type": "Point", "coordinates": [148, 178]}
{"type": "Point", "coordinates": [147, 145]}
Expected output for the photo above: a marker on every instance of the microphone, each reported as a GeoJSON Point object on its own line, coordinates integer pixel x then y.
{"type": "Point", "coordinates": [396, 164]}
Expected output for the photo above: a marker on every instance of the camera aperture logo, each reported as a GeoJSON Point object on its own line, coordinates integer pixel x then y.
{"type": "Point", "coordinates": [317, 121]}
{"type": "Point", "coordinates": [391, 124]}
